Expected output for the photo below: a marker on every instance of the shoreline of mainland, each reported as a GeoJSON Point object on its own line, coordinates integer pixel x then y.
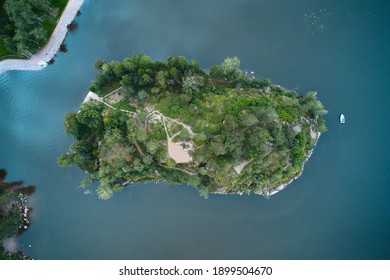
{"type": "Point", "coordinates": [39, 60]}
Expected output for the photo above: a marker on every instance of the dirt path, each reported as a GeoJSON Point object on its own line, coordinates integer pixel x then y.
{"type": "Point", "coordinates": [173, 120]}
{"type": "Point", "coordinates": [175, 150]}
{"type": "Point", "coordinates": [40, 59]}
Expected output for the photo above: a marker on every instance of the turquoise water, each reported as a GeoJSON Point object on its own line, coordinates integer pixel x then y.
{"type": "Point", "coordinates": [338, 209]}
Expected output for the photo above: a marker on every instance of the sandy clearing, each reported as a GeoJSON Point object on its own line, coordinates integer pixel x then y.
{"type": "Point", "coordinates": [241, 166]}
{"type": "Point", "coordinates": [313, 134]}
{"type": "Point", "coordinates": [177, 152]}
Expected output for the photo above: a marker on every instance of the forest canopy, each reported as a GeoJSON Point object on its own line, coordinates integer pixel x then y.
{"type": "Point", "coordinates": [224, 132]}
{"type": "Point", "coordinates": [26, 25]}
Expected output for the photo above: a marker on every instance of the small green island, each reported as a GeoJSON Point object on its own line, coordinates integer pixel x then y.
{"type": "Point", "coordinates": [222, 132]}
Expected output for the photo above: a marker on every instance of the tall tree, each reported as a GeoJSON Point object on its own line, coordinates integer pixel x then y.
{"type": "Point", "coordinates": [231, 68]}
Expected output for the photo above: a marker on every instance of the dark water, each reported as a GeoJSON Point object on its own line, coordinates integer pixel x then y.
{"type": "Point", "coordinates": [338, 209]}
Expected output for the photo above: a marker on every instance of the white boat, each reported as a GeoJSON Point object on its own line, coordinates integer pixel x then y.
{"type": "Point", "coordinates": [342, 118]}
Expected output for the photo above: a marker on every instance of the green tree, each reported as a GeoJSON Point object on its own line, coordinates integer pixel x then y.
{"type": "Point", "coordinates": [231, 68]}
{"type": "Point", "coordinates": [108, 71]}
{"type": "Point", "coordinates": [148, 159]}
{"type": "Point", "coordinates": [10, 223]}
{"type": "Point", "coordinates": [203, 171]}
{"type": "Point", "coordinates": [230, 123]}
{"type": "Point", "coordinates": [249, 120]}
{"type": "Point", "coordinates": [114, 119]}
{"type": "Point", "coordinates": [185, 98]}
{"type": "Point", "coordinates": [98, 64]}
{"type": "Point", "coordinates": [312, 106]}
{"type": "Point", "coordinates": [218, 147]}
{"type": "Point", "coordinates": [90, 114]}
{"type": "Point", "coordinates": [66, 160]}
{"type": "Point", "coordinates": [192, 83]}
{"type": "Point", "coordinates": [118, 69]}
{"type": "Point", "coordinates": [161, 79]}
{"type": "Point", "coordinates": [138, 166]}
{"type": "Point", "coordinates": [184, 135]}
{"type": "Point", "coordinates": [216, 72]}
{"type": "Point", "coordinates": [72, 125]}
{"type": "Point", "coordinates": [39, 33]}
{"type": "Point", "coordinates": [104, 192]}
{"type": "Point", "coordinates": [146, 80]}
{"type": "Point", "coordinates": [201, 137]}
{"type": "Point", "coordinates": [153, 147]}
{"type": "Point", "coordinates": [321, 125]}
{"type": "Point", "coordinates": [28, 30]}
{"type": "Point", "coordinates": [142, 95]}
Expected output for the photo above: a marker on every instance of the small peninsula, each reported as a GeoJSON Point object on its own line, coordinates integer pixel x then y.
{"type": "Point", "coordinates": [222, 132]}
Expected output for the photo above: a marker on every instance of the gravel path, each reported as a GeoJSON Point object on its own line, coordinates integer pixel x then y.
{"type": "Point", "coordinates": [39, 60]}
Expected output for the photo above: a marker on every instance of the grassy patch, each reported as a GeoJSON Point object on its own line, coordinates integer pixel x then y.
{"type": "Point", "coordinates": [60, 4]}
{"type": "Point", "coordinates": [4, 51]}
{"type": "Point", "coordinates": [108, 88]}
{"type": "Point", "coordinates": [124, 104]}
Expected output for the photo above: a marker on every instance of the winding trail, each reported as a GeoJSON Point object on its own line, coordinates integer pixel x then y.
{"type": "Point", "coordinates": [39, 60]}
{"type": "Point", "coordinates": [175, 150]}
{"type": "Point", "coordinates": [173, 120]}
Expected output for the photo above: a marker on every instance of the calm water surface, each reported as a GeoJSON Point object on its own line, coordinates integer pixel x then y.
{"type": "Point", "coordinates": [338, 209]}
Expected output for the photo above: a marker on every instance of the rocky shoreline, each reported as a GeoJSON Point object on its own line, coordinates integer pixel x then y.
{"type": "Point", "coordinates": [43, 57]}
{"type": "Point", "coordinates": [10, 244]}
{"type": "Point", "coordinates": [283, 186]}
{"type": "Point", "coordinates": [268, 194]}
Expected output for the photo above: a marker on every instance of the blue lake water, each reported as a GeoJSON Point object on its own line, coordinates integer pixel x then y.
{"type": "Point", "coordinates": [338, 209]}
